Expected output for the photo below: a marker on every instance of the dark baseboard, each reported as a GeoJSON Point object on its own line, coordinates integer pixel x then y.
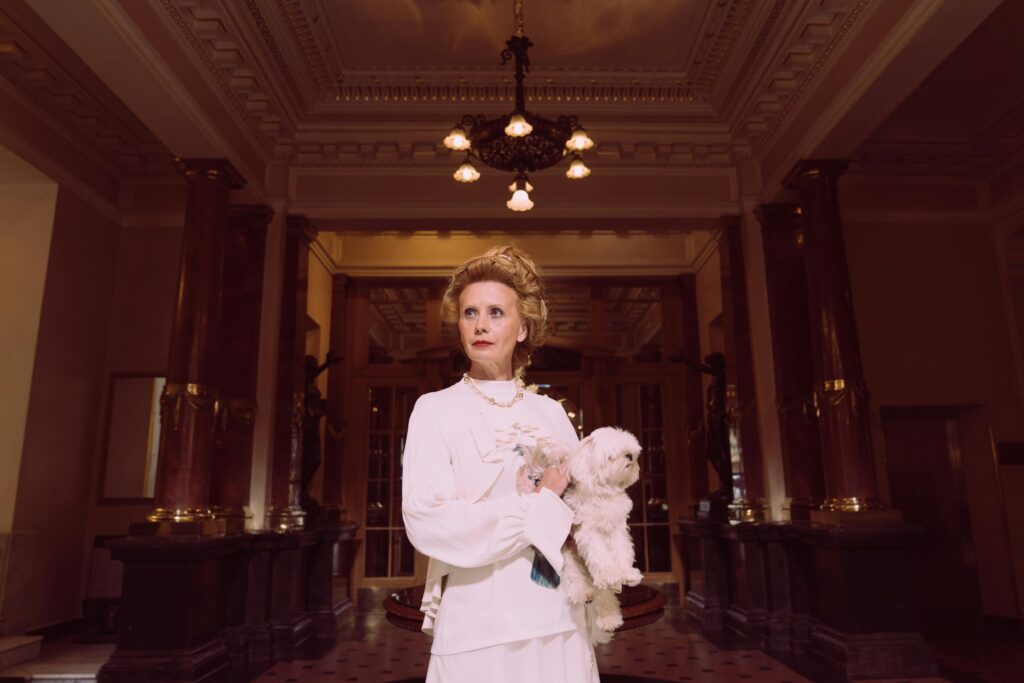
{"type": "Point", "coordinates": [62, 629]}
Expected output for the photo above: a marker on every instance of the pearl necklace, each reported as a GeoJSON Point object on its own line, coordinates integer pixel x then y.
{"type": "Point", "coordinates": [493, 401]}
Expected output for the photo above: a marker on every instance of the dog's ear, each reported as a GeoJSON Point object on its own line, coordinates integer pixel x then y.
{"type": "Point", "coordinates": [580, 467]}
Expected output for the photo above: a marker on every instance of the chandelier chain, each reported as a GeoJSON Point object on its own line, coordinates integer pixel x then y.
{"type": "Point", "coordinates": [520, 24]}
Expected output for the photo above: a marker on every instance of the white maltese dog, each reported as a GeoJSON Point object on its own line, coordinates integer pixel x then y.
{"type": "Point", "coordinates": [598, 557]}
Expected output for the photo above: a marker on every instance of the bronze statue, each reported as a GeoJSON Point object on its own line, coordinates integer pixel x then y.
{"type": "Point", "coordinates": [316, 408]}
{"type": "Point", "coordinates": [716, 430]}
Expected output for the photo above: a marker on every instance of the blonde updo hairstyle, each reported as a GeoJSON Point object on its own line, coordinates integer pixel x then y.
{"type": "Point", "coordinates": [515, 269]}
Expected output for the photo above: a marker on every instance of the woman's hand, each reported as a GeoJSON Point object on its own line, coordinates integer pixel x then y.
{"type": "Point", "coordinates": [555, 478]}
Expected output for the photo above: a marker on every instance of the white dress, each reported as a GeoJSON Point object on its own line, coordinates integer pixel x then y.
{"type": "Point", "coordinates": [461, 509]}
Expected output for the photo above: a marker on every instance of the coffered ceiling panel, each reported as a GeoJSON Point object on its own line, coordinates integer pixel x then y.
{"type": "Point", "coordinates": [469, 34]}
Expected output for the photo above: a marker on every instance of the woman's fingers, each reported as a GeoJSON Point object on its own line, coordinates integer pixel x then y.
{"type": "Point", "coordinates": [555, 479]}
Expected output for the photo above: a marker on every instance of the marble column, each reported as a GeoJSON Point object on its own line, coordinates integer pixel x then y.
{"type": "Point", "coordinates": [285, 512]}
{"type": "Point", "coordinates": [334, 431]}
{"type": "Point", "coordinates": [783, 233]}
{"type": "Point", "coordinates": [187, 405]}
{"type": "Point", "coordinates": [245, 247]}
{"type": "Point", "coordinates": [741, 402]}
{"type": "Point", "coordinates": [840, 396]}
{"type": "Point", "coordinates": [693, 399]}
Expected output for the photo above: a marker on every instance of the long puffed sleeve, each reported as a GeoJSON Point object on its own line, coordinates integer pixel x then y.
{"type": "Point", "coordinates": [463, 534]}
{"type": "Point", "coordinates": [565, 431]}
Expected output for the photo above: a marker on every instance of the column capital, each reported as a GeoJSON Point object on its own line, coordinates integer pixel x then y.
{"type": "Point", "coordinates": [302, 225]}
{"type": "Point", "coordinates": [806, 169]}
{"type": "Point", "coordinates": [216, 170]}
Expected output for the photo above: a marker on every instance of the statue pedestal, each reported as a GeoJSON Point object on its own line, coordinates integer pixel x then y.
{"type": "Point", "coordinates": [712, 510]}
{"type": "Point", "coordinates": [837, 594]}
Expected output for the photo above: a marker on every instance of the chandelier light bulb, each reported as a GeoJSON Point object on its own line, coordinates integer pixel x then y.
{"type": "Point", "coordinates": [579, 141]}
{"type": "Point", "coordinates": [577, 170]}
{"type": "Point", "coordinates": [512, 187]}
{"type": "Point", "coordinates": [457, 140]}
{"type": "Point", "coordinates": [520, 201]}
{"type": "Point", "coordinates": [466, 173]}
{"type": "Point", "coordinates": [518, 126]}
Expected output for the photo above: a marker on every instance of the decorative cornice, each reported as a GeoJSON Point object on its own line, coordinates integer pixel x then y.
{"type": "Point", "coordinates": [775, 106]}
{"type": "Point", "coordinates": [239, 80]}
{"type": "Point", "coordinates": [620, 86]}
{"type": "Point", "coordinates": [392, 154]}
{"type": "Point", "coordinates": [754, 50]}
{"type": "Point", "coordinates": [275, 51]}
{"type": "Point", "coordinates": [713, 60]}
{"type": "Point", "coordinates": [294, 15]}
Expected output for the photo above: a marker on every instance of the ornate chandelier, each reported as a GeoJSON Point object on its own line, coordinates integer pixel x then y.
{"type": "Point", "coordinates": [520, 142]}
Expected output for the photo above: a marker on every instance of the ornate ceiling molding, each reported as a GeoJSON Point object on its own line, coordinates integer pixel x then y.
{"type": "Point", "coordinates": [424, 154]}
{"type": "Point", "coordinates": [218, 44]}
{"type": "Point", "coordinates": [726, 25]}
{"type": "Point", "coordinates": [275, 52]}
{"type": "Point", "coordinates": [311, 45]}
{"type": "Point", "coordinates": [797, 66]}
{"type": "Point", "coordinates": [579, 86]}
{"type": "Point", "coordinates": [300, 63]}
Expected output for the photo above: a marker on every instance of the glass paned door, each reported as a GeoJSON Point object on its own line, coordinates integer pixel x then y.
{"type": "Point", "coordinates": [639, 410]}
{"type": "Point", "coordinates": [388, 552]}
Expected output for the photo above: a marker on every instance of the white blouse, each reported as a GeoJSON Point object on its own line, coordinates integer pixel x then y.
{"type": "Point", "coordinates": [461, 509]}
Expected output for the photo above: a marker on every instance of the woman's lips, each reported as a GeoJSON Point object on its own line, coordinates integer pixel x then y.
{"type": "Point", "coordinates": [482, 343]}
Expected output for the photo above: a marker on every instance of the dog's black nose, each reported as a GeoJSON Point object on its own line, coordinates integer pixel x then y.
{"type": "Point", "coordinates": [629, 455]}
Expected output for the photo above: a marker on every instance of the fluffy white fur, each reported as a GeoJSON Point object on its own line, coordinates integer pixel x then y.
{"type": "Point", "coordinates": [598, 559]}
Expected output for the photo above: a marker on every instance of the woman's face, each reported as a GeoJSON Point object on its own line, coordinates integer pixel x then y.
{"type": "Point", "coordinates": [489, 324]}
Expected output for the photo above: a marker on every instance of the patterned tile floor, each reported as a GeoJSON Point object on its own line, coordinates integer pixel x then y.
{"type": "Point", "coordinates": [370, 650]}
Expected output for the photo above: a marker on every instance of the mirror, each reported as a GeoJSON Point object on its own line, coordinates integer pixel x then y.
{"type": "Point", "coordinates": [133, 438]}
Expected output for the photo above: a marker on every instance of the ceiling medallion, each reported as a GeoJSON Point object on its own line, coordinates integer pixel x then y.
{"type": "Point", "coordinates": [520, 142]}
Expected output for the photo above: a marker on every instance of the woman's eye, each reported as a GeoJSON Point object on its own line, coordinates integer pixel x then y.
{"type": "Point", "coordinates": [470, 313]}
{"type": "Point", "coordinates": [497, 312]}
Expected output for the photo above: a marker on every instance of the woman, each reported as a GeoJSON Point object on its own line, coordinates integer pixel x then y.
{"type": "Point", "coordinates": [499, 619]}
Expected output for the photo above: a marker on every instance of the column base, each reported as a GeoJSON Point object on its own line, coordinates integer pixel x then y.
{"type": "Point", "coordinates": [236, 520]}
{"type": "Point", "coordinates": [748, 510]}
{"type": "Point", "coordinates": [856, 517]}
{"type": "Point", "coordinates": [290, 518]}
{"type": "Point", "coordinates": [167, 522]}
{"type": "Point", "coordinates": [800, 509]}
